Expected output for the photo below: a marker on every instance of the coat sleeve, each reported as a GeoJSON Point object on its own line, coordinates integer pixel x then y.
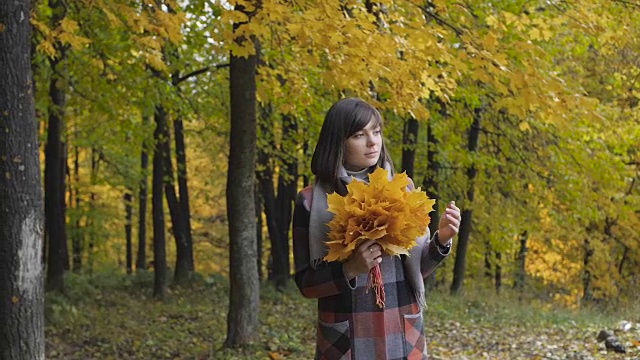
{"type": "Point", "coordinates": [327, 278]}
{"type": "Point", "coordinates": [432, 256]}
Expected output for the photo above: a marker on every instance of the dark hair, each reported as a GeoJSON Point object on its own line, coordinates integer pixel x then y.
{"type": "Point", "coordinates": [345, 118]}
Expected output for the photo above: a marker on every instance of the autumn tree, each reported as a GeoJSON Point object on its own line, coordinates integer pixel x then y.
{"type": "Point", "coordinates": [242, 320]}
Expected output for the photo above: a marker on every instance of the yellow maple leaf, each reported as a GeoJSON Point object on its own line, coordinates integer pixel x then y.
{"type": "Point", "coordinates": [383, 210]}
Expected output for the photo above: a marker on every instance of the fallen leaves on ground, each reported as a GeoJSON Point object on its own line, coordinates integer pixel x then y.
{"type": "Point", "coordinates": [122, 321]}
{"type": "Point", "coordinates": [484, 340]}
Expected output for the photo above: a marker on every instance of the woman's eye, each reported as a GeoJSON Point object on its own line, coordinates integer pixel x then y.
{"type": "Point", "coordinates": [377, 132]}
{"type": "Point", "coordinates": [358, 135]}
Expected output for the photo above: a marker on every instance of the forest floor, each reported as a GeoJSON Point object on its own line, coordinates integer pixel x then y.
{"type": "Point", "coordinates": [112, 316]}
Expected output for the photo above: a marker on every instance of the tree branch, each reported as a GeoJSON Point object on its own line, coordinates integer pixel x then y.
{"type": "Point", "coordinates": [198, 72]}
{"type": "Point", "coordinates": [439, 20]}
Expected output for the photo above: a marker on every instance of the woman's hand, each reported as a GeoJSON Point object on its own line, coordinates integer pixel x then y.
{"type": "Point", "coordinates": [449, 223]}
{"type": "Point", "coordinates": [366, 256]}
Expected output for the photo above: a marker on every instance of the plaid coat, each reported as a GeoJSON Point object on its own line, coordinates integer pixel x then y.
{"type": "Point", "coordinates": [350, 324]}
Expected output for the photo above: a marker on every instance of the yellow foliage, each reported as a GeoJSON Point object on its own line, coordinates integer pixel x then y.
{"type": "Point", "coordinates": [64, 34]}
{"type": "Point", "coordinates": [524, 126]}
{"type": "Point", "coordinates": [150, 42]}
{"type": "Point", "coordinates": [382, 210]}
{"type": "Point", "coordinates": [112, 18]}
{"type": "Point", "coordinates": [551, 263]}
{"type": "Point", "coordinates": [155, 61]}
{"type": "Point", "coordinates": [75, 41]}
{"type": "Point", "coordinates": [47, 48]}
{"type": "Point", "coordinates": [171, 24]}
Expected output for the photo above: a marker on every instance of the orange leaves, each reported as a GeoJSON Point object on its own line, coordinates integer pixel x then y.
{"type": "Point", "coordinates": [383, 210]}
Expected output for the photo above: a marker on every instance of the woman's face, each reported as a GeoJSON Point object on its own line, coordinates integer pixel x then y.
{"type": "Point", "coordinates": [363, 148]}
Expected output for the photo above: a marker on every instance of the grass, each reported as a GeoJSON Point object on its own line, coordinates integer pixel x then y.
{"type": "Point", "coordinates": [113, 316]}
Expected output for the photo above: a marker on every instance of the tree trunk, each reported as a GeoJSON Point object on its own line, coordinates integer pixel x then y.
{"type": "Point", "coordinates": [128, 211]}
{"type": "Point", "coordinates": [93, 234]}
{"type": "Point", "coordinates": [287, 192]}
{"type": "Point", "coordinates": [57, 259]}
{"type": "Point", "coordinates": [242, 319]}
{"type": "Point", "coordinates": [587, 294]}
{"type": "Point", "coordinates": [277, 273]}
{"type": "Point", "coordinates": [183, 188]}
{"type": "Point", "coordinates": [430, 184]}
{"type": "Point", "coordinates": [21, 203]}
{"type": "Point", "coordinates": [259, 240]}
{"type": "Point", "coordinates": [465, 225]}
{"type": "Point", "coordinates": [625, 256]}
{"type": "Point", "coordinates": [157, 209]}
{"type": "Point", "coordinates": [488, 272]}
{"type": "Point", "coordinates": [77, 237]}
{"type": "Point", "coordinates": [141, 262]}
{"type": "Point", "coordinates": [182, 272]}
{"type": "Point", "coordinates": [409, 141]}
{"type": "Point", "coordinates": [521, 261]}
{"type": "Point", "coordinates": [265, 185]}
{"type": "Point", "coordinates": [498, 273]}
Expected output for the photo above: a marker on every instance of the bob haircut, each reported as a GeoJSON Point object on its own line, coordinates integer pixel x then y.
{"type": "Point", "coordinates": [345, 118]}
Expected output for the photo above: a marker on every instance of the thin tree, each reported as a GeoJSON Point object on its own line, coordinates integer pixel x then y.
{"type": "Point", "coordinates": [409, 141]}
{"type": "Point", "coordinates": [430, 184]}
{"type": "Point", "coordinates": [465, 223]}
{"type": "Point", "coordinates": [77, 237]}
{"type": "Point", "coordinates": [183, 256]}
{"type": "Point", "coordinates": [57, 255]}
{"type": "Point", "coordinates": [287, 191]}
{"type": "Point", "coordinates": [128, 224]}
{"type": "Point", "coordinates": [183, 191]}
{"type": "Point", "coordinates": [521, 260]}
{"type": "Point", "coordinates": [21, 204]}
{"type": "Point", "coordinates": [141, 261]}
{"type": "Point", "coordinates": [157, 205]}
{"type": "Point", "coordinates": [278, 263]}
{"type": "Point", "coordinates": [242, 320]}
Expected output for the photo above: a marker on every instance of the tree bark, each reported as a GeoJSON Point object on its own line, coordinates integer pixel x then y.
{"type": "Point", "coordinates": [268, 196]}
{"type": "Point", "coordinates": [93, 234]}
{"type": "Point", "coordinates": [409, 141]}
{"type": "Point", "coordinates": [430, 184]}
{"type": "Point", "coordinates": [183, 188]}
{"type": "Point", "coordinates": [625, 256]}
{"type": "Point", "coordinates": [157, 208]}
{"type": "Point", "coordinates": [287, 192]}
{"type": "Point", "coordinates": [259, 240]}
{"type": "Point", "coordinates": [278, 260]}
{"type": "Point", "coordinates": [587, 291]}
{"type": "Point", "coordinates": [521, 261]}
{"type": "Point", "coordinates": [182, 270]}
{"type": "Point", "coordinates": [242, 319]}
{"type": "Point", "coordinates": [465, 224]}
{"type": "Point", "coordinates": [488, 272]}
{"type": "Point", "coordinates": [77, 237]}
{"type": "Point", "coordinates": [498, 273]}
{"type": "Point", "coordinates": [58, 257]}
{"type": "Point", "coordinates": [128, 213]}
{"type": "Point", "coordinates": [141, 262]}
{"type": "Point", "coordinates": [21, 203]}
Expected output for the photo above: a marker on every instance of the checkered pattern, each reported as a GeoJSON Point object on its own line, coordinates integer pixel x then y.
{"type": "Point", "coordinates": [350, 324]}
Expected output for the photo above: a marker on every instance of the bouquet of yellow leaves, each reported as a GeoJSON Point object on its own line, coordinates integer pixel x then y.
{"type": "Point", "coordinates": [383, 210]}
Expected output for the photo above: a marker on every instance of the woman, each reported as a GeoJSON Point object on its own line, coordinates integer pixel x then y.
{"type": "Point", "coordinates": [350, 324]}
